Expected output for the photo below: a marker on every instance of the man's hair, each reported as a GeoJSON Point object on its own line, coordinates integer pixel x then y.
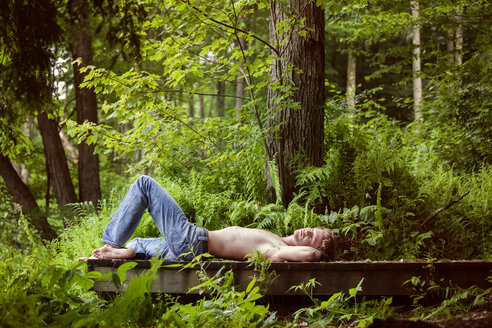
{"type": "Point", "coordinates": [328, 247]}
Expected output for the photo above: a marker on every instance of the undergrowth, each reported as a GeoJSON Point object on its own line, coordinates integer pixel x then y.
{"type": "Point", "coordinates": [377, 190]}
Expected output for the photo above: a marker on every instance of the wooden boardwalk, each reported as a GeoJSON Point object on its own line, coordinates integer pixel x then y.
{"type": "Point", "coordinates": [380, 278]}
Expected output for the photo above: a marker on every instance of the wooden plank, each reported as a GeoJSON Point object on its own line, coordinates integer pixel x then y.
{"type": "Point", "coordinates": [380, 278]}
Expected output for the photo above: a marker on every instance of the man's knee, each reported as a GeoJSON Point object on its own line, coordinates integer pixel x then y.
{"type": "Point", "coordinates": [144, 178]}
{"type": "Point", "coordinates": [144, 181]}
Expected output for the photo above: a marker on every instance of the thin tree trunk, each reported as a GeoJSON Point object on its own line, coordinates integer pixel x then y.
{"type": "Point", "coordinates": [239, 95]}
{"type": "Point", "coordinates": [240, 81]}
{"type": "Point", "coordinates": [416, 65]}
{"type": "Point", "coordinates": [295, 131]}
{"type": "Point", "coordinates": [459, 38]}
{"type": "Point", "coordinates": [450, 44]}
{"type": "Point", "coordinates": [191, 107]}
{"type": "Point", "coordinates": [202, 107]}
{"type": "Point", "coordinates": [220, 98]}
{"type": "Point", "coordinates": [56, 161]}
{"type": "Point", "coordinates": [23, 195]}
{"type": "Point", "coordinates": [86, 104]}
{"type": "Point", "coordinates": [351, 79]}
{"type": "Point", "coordinates": [21, 168]}
{"type": "Point", "coordinates": [74, 157]}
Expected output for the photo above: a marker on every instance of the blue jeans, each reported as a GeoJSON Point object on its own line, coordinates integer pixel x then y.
{"type": "Point", "coordinates": [180, 239]}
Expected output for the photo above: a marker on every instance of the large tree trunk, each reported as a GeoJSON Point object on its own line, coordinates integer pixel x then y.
{"type": "Point", "coordinates": [296, 130]}
{"type": "Point", "coordinates": [416, 65]}
{"type": "Point", "coordinates": [86, 105]}
{"type": "Point", "coordinates": [351, 79]}
{"type": "Point", "coordinates": [56, 161]}
{"type": "Point", "coordinates": [23, 195]}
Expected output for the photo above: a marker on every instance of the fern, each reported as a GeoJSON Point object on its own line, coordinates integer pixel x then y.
{"type": "Point", "coordinates": [275, 180]}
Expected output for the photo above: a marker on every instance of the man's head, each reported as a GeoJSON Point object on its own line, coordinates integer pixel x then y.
{"type": "Point", "coordinates": [322, 239]}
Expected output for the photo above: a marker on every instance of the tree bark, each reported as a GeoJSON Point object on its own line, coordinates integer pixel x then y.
{"type": "Point", "coordinates": [86, 105]}
{"type": "Point", "coordinates": [56, 160]}
{"type": "Point", "coordinates": [202, 107]}
{"type": "Point", "coordinates": [191, 107]}
{"type": "Point", "coordinates": [296, 130]}
{"type": "Point", "coordinates": [416, 65]}
{"type": "Point", "coordinates": [351, 79]}
{"type": "Point", "coordinates": [459, 38]}
{"type": "Point", "coordinates": [240, 81]}
{"type": "Point", "coordinates": [450, 47]}
{"type": "Point", "coordinates": [74, 157]}
{"type": "Point", "coordinates": [239, 95]}
{"type": "Point", "coordinates": [450, 43]}
{"type": "Point", "coordinates": [23, 195]}
{"type": "Point", "coordinates": [220, 98]}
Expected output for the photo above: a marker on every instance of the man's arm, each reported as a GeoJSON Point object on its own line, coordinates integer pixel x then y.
{"type": "Point", "coordinates": [295, 254]}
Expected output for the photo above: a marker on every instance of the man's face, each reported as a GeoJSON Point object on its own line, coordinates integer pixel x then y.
{"type": "Point", "coordinates": [309, 237]}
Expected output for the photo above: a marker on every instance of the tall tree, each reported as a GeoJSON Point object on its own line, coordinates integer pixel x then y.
{"type": "Point", "coordinates": [56, 160]}
{"type": "Point", "coordinates": [29, 33]}
{"type": "Point", "coordinates": [191, 106]}
{"type": "Point", "coordinates": [86, 104]}
{"type": "Point", "coordinates": [202, 106]}
{"type": "Point", "coordinates": [416, 65]}
{"type": "Point", "coordinates": [297, 123]}
{"type": "Point", "coordinates": [459, 38]}
{"type": "Point", "coordinates": [23, 195]}
{"type": "Point", "coordinates": [221, 88]}
{"type": "Point", "coordinates": [351, 78]}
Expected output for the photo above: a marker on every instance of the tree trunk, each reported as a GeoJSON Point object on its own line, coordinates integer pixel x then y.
{"type": "Point", "coordinates": [351, 79]}
{"type": "Point", "coordinates": [239, 95]}
{"type": "Point", "coordinates": [56, 161]}
{"type": "Point", "coordinates": [73, 156]}
{"type": "Point", "coordinates": [295, 131]}
{"type": "Point", "coordinates": [220, 98]}
{"type": "Point", "coordinates": [23, 195]}
{"type": "Point", "coordinates": [459, 38]}
{"type": "Point", "coordinates": [191, 107]}
{"type": "Point", "coordinates": [450, 47]}
{"type": "Point", "coordinates": [202, 107]}
{"type": "Point", "coordinates": [240, 81]}
{"type": "Point", "coordinates": [450, 43]}
{"type": "Point", "coordinates": [416, 65]}
{"type": "Point", "coordinates": [86, 105]}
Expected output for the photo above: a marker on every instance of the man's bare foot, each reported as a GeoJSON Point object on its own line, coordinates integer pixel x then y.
{"type": "Point", "coordinates": [110, 252]}
{"type": "Point", "coordinates": [84, 259]}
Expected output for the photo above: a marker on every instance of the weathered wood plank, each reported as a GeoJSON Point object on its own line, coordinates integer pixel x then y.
{"type": "Point", "coordinates": [380, 278]}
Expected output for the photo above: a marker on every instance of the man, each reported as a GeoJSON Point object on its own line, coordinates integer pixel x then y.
{"type": "Point", "coordinates": [182, 240]}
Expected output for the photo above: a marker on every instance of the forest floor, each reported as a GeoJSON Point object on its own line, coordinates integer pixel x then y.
{"type": "Point", "coordinates": [478, 318]}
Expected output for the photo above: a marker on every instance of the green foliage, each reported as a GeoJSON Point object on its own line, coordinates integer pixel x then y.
{"type": "Point", "coordinates": [379, 182]}
{"type": "Point", "coordinates": [339, 308]}
{"type": "Point", "coordinates": [36, 289]}
{"type": "Point", "coordinates": [458, 117]}
{"type": "Point", "coordinates": [444, 300]}
{"type": "Point", "coordinates": [83, 233]}
{"type": "Point", "coordinates": [225, 306]}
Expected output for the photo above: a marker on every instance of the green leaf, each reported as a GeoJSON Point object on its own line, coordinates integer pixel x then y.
{"type": "Point", "coordinates": [122, 269]}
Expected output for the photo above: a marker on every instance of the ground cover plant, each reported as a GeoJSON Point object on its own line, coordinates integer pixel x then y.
{"type": "Point", "coordinates": [371, 118]}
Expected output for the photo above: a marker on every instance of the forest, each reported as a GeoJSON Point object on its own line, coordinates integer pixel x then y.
{"type": "Point", "coordinates": [371, 118]}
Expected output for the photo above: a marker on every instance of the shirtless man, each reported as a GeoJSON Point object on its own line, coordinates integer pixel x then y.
{"type": "Point", "coordinates": [182, 240]}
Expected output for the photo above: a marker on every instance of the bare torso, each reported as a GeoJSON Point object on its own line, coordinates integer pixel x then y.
{"type": "Point", "coordinates": [238, 243]}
